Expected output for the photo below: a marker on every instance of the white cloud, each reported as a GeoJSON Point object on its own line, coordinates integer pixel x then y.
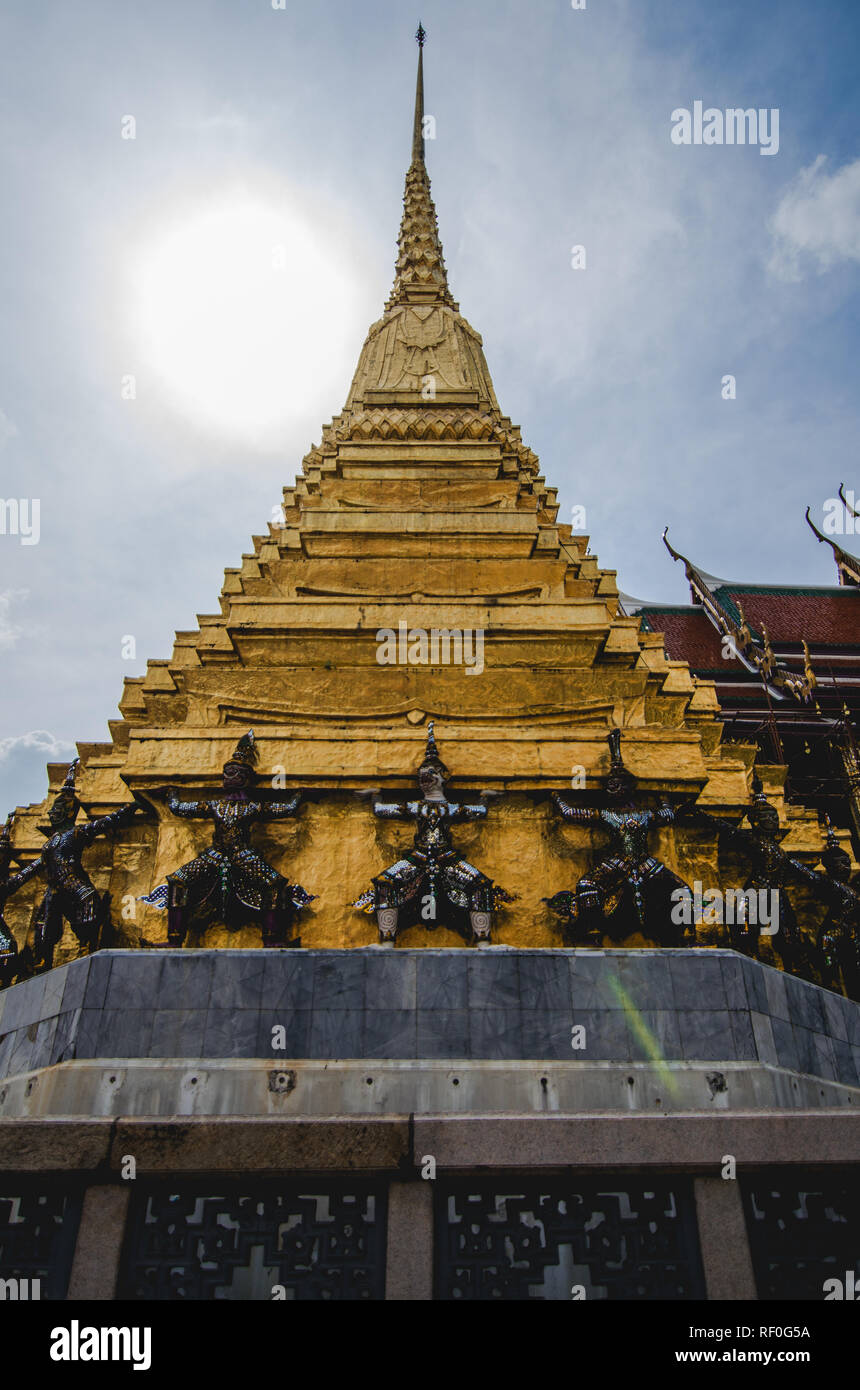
{"type": "Point", "coordinates": [818, 221]}
{"type": "Point", "coordinates": [9, 631]}
{"type": "Point", "coordinates": [39, 740]}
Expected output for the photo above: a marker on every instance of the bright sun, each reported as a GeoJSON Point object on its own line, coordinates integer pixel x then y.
{"type": "Point", "coordinates": [246, 315]}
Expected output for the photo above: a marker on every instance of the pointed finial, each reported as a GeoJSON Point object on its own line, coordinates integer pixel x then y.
{"type": "Point", "coordinates": [420, 276]}
{"type": "Point", "coordinates": [418, 125]}
{"type": "Point", "coordinates": [672, 551]}
{"type": "Point", "coordinates": [431, 754]}
{"type": "Point", "coordinates": [848, 505]}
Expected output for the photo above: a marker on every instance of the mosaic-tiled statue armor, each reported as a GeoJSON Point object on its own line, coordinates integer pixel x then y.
{"type": "Point", "coordinates": [770, 869]}
{"type": "Point", "coordinates": [9, 884]}
{"type": "Point", "coordinates": [69, 893]}
{"type": "Point", "coordinates": [838, 940]}
{"type": "Point", "coordinates": [412, 887]}
{"type": "Point", "coordinates": [628, 889]}
{"type": "Point", "coordinates": [230, 876]}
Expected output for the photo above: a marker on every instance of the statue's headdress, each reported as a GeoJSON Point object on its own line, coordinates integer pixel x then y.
{"type": "Point", "coordinates": [431, 755]}
{"type": "Point", "coordinates": [245, 752]}
{"type": "Point", "coordinates": [65, 804]}
{"type": "Point", "coordinates": [620, 782]}
{"type": "Point", "coordinates": [834, 858]}
{"type": "Point", "coordinates": [761, 815]}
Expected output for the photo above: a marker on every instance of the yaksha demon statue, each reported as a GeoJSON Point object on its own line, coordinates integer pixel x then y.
{"type": "Point", "coordinates": [69, 893]}
{"type": "Point", "coordinates": [433, 866]}
{"type": "Point", "coordinates": [838, 940]}
{"type": "Point", "coordinates": [764, 908]}
{"type": "Point", "coordinates": [628, 890]}
{"type": "Point", "coordinates": [230, 876]}
{"type": "Point", "coordinates": [9, 884]}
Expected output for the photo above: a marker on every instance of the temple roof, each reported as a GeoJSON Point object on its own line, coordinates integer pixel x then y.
{"type": "Point", "coordinates": [821, 617]}
{"type": "Point", "coordinates": [769, 628]}
{"type": "Point", "coordinates": [782, 613]}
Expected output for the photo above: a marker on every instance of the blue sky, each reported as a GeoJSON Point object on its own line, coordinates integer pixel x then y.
{"type": "Point", "coordinates": [553, 129]}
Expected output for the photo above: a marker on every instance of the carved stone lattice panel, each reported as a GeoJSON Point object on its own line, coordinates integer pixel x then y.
{"type": "Point", "coordinates": [560, 1240]}
{"type": "Point", "coordinates": [803, 1229]}
{"type": "Point", "coordinates": [315, 1242]}
{"type": "Point", "coordinates": [37, 1239]}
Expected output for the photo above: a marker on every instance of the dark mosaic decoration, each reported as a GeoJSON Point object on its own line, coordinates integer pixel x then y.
{"type": "Point", "coordinates": [528, 1241]}
{"type": "Point", "coordinates": [37, 1238]}
{"type": "Point", "coordinates": [432, 869]}
{"type": "Point", "coordinates": [317, 1242]}
{"type": "Point", "coordinates": [230, 878]}
{"type": "Point", "coordinates": [628, 889]}
{"type": "Point", "coordinates": [802, 1230]}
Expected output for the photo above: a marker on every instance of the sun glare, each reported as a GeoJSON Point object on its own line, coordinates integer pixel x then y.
{"type": "Point", "coordinates": [246, 314]}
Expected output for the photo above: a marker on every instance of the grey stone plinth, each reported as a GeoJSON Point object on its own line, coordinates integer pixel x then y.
{"type": "Point", "coordinates": [646, 1006]}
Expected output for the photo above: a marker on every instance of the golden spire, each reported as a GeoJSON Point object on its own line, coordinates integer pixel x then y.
{"type": "Point", "coordinates": [418, 124]}
{"type": "Point", "coordinates": [420, 276]}
{"type": "Point", "coordinates": [422, 354]}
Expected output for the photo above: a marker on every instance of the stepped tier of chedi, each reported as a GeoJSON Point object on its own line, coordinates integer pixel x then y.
{"type": "Point", "coordinates": [420, 512]}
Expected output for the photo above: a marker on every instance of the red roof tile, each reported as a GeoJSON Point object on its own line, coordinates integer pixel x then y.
{"type": "Point", "coordinates": [824, 619]}
{"type": "Point", "coordinates": [689, 635]}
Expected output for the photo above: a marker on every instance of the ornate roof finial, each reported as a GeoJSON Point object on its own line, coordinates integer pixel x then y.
{"type": "Point", "coordinates": [847, 566]}
{"type": "Point", "coordinates": [418, 125]}
{"type": "Point", "coordinates": [420, 276]}
{"type": "Point", "coordinates": [808, 672]}
{"type": "Point", "coordinates": [846, 504]}
{"type": "Point", "coordinates": [756, 656]}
